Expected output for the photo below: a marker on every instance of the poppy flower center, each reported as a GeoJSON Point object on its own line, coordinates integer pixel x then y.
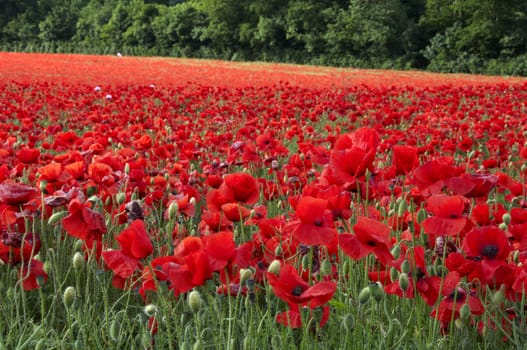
{"type": "Point", "coordinates": [371, 243]}
{"type": "Point", "coordinates": [490, 251]}
{"type": "Point", "coordinates": [297, 291]}
{"type": "Point", "coordinates": [318, 222]}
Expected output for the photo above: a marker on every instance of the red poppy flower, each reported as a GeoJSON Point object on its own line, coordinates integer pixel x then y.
{"type": "Point", "coordinates": [134, 240]}
{"type": "Point", "coordinates": [292, 289]}
{"type": "Point", "coordinates": [33, 274]}
{"type": "Point", "coordinates": [16, 193]}
{"type": "Point", "coordinates": [487, 242]}
{"type": "Point", "coordinates": [83, 222]}
{"type": "Point", "coordinates": [448, 219]}
{"type": "Point", "coordinates": [16, 247]}
{"type": "Point", "coordinates": [122, 264]}
{"type": "Point", "coordinates": [28, 155]}
{"type": "Point", "coordinates": [404, 159]}
{"type": "Point", "coordinates": [430, 177]}
{"type": "Point", "coordinates": [243, 186]}
{"type": "Point", "coordinates": [314, 224]}
{"type": "Point", "coordinates": [454, 297]}
{"type": "Point", "coordinates": [371, 236]}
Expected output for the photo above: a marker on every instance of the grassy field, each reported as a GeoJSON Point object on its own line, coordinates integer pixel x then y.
{"type": "Point", "coordinates": [152, 203]}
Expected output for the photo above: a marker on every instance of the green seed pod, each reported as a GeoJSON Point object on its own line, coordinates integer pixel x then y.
{"type": "Point", "coordinates": [403, 282]}
{"type": "Point", "coordinates": [278, 251]}
{"type": "Point", "coordinates": [150, 310]}
{"type": "Point", "coordinates": [326, 267]}
{"type": "Point", "coordinates": [405, 267]}
{"type": "Point", "coordinates": [394, 274]}
{"type": "Point", "coordinates": [172, 210]}
{"type": "Point", "coordinates": [245, 275]}
{"type": "Point", "coordinates": [56, 217]}
{"type": "Point", "coordinates": [127, 168]}
{"type": "Point", "coordinates": [274, 267]}
{"type": "Point", "coordinates": [47, 266]}
{"type": "Point", "coordinates": [42, 186]}
{"type": "Point", "coordinates": [78, 245]}
{"type": "Point", "coordinates": [498, 298]}
{"type": "Point", "coordinates": [506, 219]}
{"type": "Point", "coordinates": [401, 210]}
{"type": "Point", "coordinates": [459, 323]}
{"type": "Point", "coordinates": [464, 312]}
{"type": "Point", "coordinates": [377, 291]}
{"type": "Point", "coordinates": [364, 295]}
{"type": "Point", "coordinates": [115, 330]}
{"type": "Point", "coordinates": [120, 197]}
{"type": "Point", "coordinates": [421, 216]}
{"type": "Point", "coordinates": [306, 261]}
{"type": "Point", "coordinates": [69, 296]}
{"type": "Point", "coordinates": [502, 226]}
{"type": "Point", "coordinates": [194, 301]}
{"type": "Point", "coordinates": [396, 251]}
{"type": "Point", "coordinates": [78, 261]}
{"type": "Point", "coordinates": [516, 256]}
{"type": "Point", "coordinates": [348, 322]}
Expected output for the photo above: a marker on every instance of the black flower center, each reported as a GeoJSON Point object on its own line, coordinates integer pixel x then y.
{"type": "Point", "coordinates": [318, 222]}
{"type": "Point", "coordinates": [490, 251]}
{"type": "Point", "coordinates": [297, 291]}
{"type": "Point", "coordinates": [371, 243]}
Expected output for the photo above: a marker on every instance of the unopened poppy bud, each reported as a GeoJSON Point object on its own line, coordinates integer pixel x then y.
{"type": "Point", "coordinates": [185, 346]}
{"type": "Point", "coordinates": [516, 256]}
{"type": "Point", "coordinates": [325, 267]}
{"type": "Point", "coordinates": [278, 251]}
{"type": "Point", "coordinates": [274, 267]}
{"type": "Point", "coordinates": [78, 261]}
{"type": "Point", "coordinates": [150, 310]}
{"type": "Point", "coordinates": [405, 266]}
{"type": "Point", "coordinates": [42, 186]}
{"type": "Point", "coordinates": [120, 197]}
{"type": "Point", "coordinates": [421, 216]}
{"type": "Point", "coordinates": [77, 246]}
{"type": "Point", "coordinates": [498, 298]}
{"type": "Point", "coordinates": [47, 267]}
{"type": "Point", "coordinates": [56, 217]}
{"type": "Point", "coordinates": [305, 262]}
{"type": "Point", "coordinates": [464, 312]}
{"type": "Point", "coordinates": [41, 345]}
{"type": "Point", "coordinates": [377, 291]}
{"type": "Point", "coordinates": [394, 274]}
{"type": "Point", "coordinates": [396, 251]}
{"type": "Point", "coordinates": [172, 210]}
{"type": "Point", "coordinates": [502, 226]}
{"type": "Point", "coordinates": [506, 218]}
{"type": "Point", "coordinates": [471, 153]}
{"type": "Point", "coordinates": [348, 322]}
{"type": "Point", "coordinates": [194, 301]}
{"type": "Point", "coordinates": [403, 282]}
{"type": "Point", "coordinates": [459, 323]}
{"type": "Point", "coordinates": [245, 275]}
{"type": "Point", "coordinates": [69, 296]}
{"type": "Point", "coordinates": [364, 295]}
{"type": "Point", "coordinates": [115, 330]}
{"type": "Point", "coordinates": [402, 208]}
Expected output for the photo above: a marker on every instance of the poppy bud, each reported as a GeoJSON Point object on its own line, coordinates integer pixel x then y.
{"type": "Point", "coordinates": [325, 267]}
{"type": "Point", "coordinates": [47, 267]}
{"type": "Point", "coordinates": [274, 267]}
{"type": "Point", "coordinates": [278, 251]}
{"type": "Point", "coordinates": [405, 266]}
{"type": "Point", "coordinates": [78, 261]}
{"type": "Point", "coordinates": [56, 217]}
{"type": "Point", "coordinates": [459, 323]}
{"type": "Point", "coordinates": [306, 262]}
{"type": "Point", "coordinates": [506, 218]}
{"type": "Point", "coordinates": [464, 312]}
{"type": "Point", "coordinates": [471, 153]}
{"type": "Point", "coordinates": [364, 295]}
{"type": "Point", "coordinates": [172, 210]}
{"type": "Point", "coordinates": [403, 282]}
{"type": "Point", "coordinates": [394, 274]}
{"type": "Point", "coordinates": [69, 296]}
{"type": "Point", "coordinates": [115, 330]}
{"type": "Point", "coordinates": [194, 301]}
{"type": "Point", "coordinates": [516, 256]}
{"type": "Point", "coordinates": [42, 186]}
{"type": "Point", "coordinates": [377, 291]}
{"type": "Point", "coordinates": [421, 216]}
{"type": "Point", "coordinates": [245, 275]}
{"type": "Point", "coordinates": [499, 297]}
{"type": "Point", "coordinates": [150, 310]}
{"type": "Point", "coordinates": [402, 208]}
{"type": "Point", "coordinates": [120, 197]}
{"type": "Point", "coordinates": [41, 345]}
{"type": "Point", "coordinates": [502, 226]}
{"type": "Point", "coordinates": [396, 251]}
{"type": "Point", "coordinates": [348, 322]}
{"type": "Point", "coordinates": [77, 246]}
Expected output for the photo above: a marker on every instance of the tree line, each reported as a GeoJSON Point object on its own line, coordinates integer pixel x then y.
{"type": "Point", "coordinates": [476, 36]}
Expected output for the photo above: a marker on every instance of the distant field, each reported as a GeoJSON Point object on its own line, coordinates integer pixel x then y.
{"type": "Point", "coordinates": [103, 70]}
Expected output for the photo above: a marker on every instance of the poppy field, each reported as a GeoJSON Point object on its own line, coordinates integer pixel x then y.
{"type": "Point", "coordinates": [152, 203]}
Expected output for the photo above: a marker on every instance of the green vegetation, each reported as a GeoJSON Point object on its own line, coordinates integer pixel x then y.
{"type": "Point", "coordinates": [486, 36]}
